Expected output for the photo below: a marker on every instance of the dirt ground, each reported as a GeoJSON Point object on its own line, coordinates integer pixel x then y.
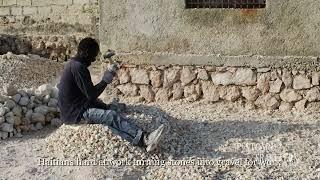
{"type": "Point", "coordinates": [216, 141]}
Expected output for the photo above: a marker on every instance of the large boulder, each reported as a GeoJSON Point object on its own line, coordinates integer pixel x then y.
{"type": "Point", "coordinates": [301, 82]}
{"type": "Point", "coordinates": [171, 76]}
{"type": "Point", "coordinates": [245, 77]}
{"type": "Point", "coordinates": [210, 91]}
{"type": "Point", "coordinates": [187, 75]}
{"type": "Point", "coordinates": [230, 93]}
{"type": "Point", "coordinates": [139, 76]}
{"type": "Point", "coordinates": [123, 76]}
{"type": "Point", "coordinates": [156, 79]}
{"type": "Point", "coordinates": [313, 94]}
{"type": "Point", "coordinates": [250, 93]}
{"type": "Point", "coordinates": [128, 89]}
{"type": "Point", "coordinates": [147, 93]}
{"type": "Point", "coordinates": [290, 95]}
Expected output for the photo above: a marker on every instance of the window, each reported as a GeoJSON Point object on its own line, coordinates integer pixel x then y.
{"type": "Point", "coordinates": [242, 4]}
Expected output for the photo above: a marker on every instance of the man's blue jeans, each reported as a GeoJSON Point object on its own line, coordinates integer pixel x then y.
{"type": "Point", "coordinates": [119, 125]}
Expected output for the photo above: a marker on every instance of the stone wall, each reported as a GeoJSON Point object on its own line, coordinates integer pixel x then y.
{"type": "Point", "coordinates": [49, 28]}
{"type": "Point", "coordinates": [267, 88]}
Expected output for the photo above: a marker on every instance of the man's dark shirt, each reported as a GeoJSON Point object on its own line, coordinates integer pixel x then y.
{"type": "Point", "coordinates": [77, 92]}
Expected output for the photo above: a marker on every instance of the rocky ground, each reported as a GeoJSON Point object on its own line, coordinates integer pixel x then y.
{"type": "Point", "coordinates": [222, 140]}
{"type": "Point", "coordinates": [27, 71]}
{"type": "Point", "coordinates": [219, 141]}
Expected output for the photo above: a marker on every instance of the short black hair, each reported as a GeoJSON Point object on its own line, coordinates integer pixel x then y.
{"type": "Point", "coordinates": [88, 48]}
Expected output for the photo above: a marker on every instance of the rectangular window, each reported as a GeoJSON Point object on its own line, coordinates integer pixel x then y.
{"type": "Point", "coordinates": [241, 4]}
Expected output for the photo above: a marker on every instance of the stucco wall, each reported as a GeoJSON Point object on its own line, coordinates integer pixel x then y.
{"type": "Point", "coordinates": [284, 28]}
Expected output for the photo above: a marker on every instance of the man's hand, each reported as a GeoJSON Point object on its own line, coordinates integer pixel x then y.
{"type": "Point", "coordinates": [107, 77]}
{"type": "Point", "coordinates": [113, 68]}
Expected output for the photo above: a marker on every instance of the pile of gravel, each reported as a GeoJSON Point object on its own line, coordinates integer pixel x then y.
{"type": "Point", "coordinates": [201, 141]}
{"type": "Point", "coordinates": [27, 71]}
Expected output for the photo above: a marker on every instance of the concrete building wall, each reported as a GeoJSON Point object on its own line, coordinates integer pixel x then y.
{"type": "Point", "coordinates": [50, 28]}
{"type": "Point", "coordinates": [283, 28]}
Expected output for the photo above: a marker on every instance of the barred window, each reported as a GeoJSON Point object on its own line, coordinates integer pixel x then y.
{"type": "Point", "coordinates": [241, 4]}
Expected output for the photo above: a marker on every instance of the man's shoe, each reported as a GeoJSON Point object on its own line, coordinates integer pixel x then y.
{"type": "Point", "coordinates": [152, 140]}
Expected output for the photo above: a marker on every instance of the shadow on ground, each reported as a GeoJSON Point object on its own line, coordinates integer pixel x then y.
{"type": "Point", "coordinates": [201, 138]}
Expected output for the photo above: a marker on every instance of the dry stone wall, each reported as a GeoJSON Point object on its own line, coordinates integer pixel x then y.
{"type": "Point", "coordinates": [51, 29]}
{"type": "Point", "coordinates": [27, 110]}
{"type": "Point", "coordinates": [265, 88]}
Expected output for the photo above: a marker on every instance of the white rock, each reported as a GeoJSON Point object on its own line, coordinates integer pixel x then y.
{"type": "Point", "coordinates": [263, 82]}
{"type": "Point", "coordinates": [210, 91]}
{"type": "Point", "coordinates": [29, 115]}
{"type": "Point", "coordinates": [4, 135]}
{"type": "Point", "coordinates": [250, 93]}
{"type": "Point", "coordinates": [301, 82]}
{"type": "Point", "coordinates": [9, 104]}
{"type": "Point", "coordinates": [9, 114]}
{"type": "Point", "coordinates": [16, 98]}
{"type": "Point", "coordinates": [24, 101]}
{"type": "Point", "coordinates": [267, 101]}
{"type": "Point", "coordinates": [230, 93]}
{"type": "Point", "coordinates": [10, 119]}
{"type": "Point", "coordinates": [187, 75]}
{"type": "Point", "coordinates": [2, 120]}
{"type": "Point", "coordinates": [44, 90]}
{"type": "Point", "coordinates": [315, 78]}
{"type": "Point", "coordinates": [301, 105]}
{"type": "Point", "coordinates": [289, 95]}
{"type": "Point", "coordinates": [162, 95]}
{"type": "Point", "coordinates": [38, 126]}
{"type": "Point", "coordinates": [6, 127]}
{"type": "Point", "coordinates": [171, 76]}
{"type": "Point", "coordinates": [2, 111]}
{"type": "Point", "coordinates": [24, 110]}
{"type": "Point", "coordinates": [313, 94]}
{"type": "Point", "coordinates": [177, 91]}
{"type": "Point", "coordinates": [285, 106]}
{"type": "Point", "coordinates": [3, 98]}
{"type": "Point", "coordinates": [275, 86]}
{"type": "Point", "coordinates": [202, 74]}
{"type": "Point", "coordinates": [287, 78]}
{"type": "Point", "coordinates": [128, 89]}
{"type": "Point", "coordinates": [17, 110]}
{"type": "Point", "coordinates": [41, 109]}
{"type": "Point", "coordinates": [53, 103]}
{"type": "Point", "coordinates": [10, 90]}
{"type": "Point", "coordinates": [244, 77]}
{"type": "Point", "coordinates": [38, 117]}
{"type": "Point", "coordinates": [54, 93]}
{"type": "Point", "coordinates": [23, 93]}
{"type": "Point", "coordinates": [225, 78]}
{"type": "Point", "coordinates": [46, 99]}
{"type": "Point", "coordinates": [123, 76]}
{"type": "Point", "coordinates": [147, 93]}
{"type": "Point", "coordinates": [191, 92]}
{"type": "Point", "coordinates": [156, 79]}
{"type": "Point", "coordinates": [139, 76]}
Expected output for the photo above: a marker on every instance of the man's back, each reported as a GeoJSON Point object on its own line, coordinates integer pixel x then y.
{"type": "Point", "coordinates": [72, 101]}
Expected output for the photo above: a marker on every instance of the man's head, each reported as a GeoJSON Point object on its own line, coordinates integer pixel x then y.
{"type": "Point", "coordinates": [88, 50]}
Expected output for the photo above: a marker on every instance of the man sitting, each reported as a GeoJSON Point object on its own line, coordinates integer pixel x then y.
{"type": "Point", "coordinates": [78, 98]}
